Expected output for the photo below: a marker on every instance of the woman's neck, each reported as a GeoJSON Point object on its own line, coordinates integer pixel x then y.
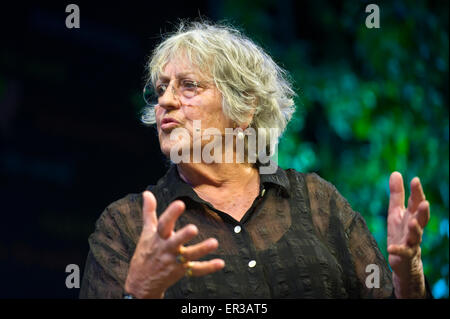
{"type": "Point", "coordinates": [220, 176]}
{"type": "Point", "coordinates": [231, 188]}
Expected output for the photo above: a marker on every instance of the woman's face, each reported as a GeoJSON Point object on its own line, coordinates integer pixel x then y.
{"type": "Point", "coordinates": [174, 110]}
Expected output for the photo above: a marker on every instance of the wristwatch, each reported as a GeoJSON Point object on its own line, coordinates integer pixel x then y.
{"type": "Point", "coordinates": [128, 296]}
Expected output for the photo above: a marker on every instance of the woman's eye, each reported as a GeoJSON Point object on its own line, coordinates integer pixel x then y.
{"type": "Point", "coordinates": [160, 89]}
{"type": "Point", "coordinates": [188, 84]}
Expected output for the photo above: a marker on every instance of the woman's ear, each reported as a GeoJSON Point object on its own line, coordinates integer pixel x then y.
{"type": "Point", "coordinates": [248, 120]}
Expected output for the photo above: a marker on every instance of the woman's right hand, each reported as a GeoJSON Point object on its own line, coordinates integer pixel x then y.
{"type": "Point", "coordinates": [154, 266]}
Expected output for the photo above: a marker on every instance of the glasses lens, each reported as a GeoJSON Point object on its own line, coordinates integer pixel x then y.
{"type": "Point", "coordinates": [149, 95]}
{"type": "Point", "coordinates": [189, 93]}
{"type": "Point", "coordinates": [148, 116]}
{"type": "Point", "coordinates": [189, 88]}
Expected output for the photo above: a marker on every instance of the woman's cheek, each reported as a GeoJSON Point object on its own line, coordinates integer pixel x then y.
{"type": "Point", "coordinates": [195, 120]}
{"type": "Point", "coordinates": [158, 114]}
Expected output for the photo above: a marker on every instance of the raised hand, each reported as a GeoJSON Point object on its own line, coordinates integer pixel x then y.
{"type": "Point", "coordinates": [405, 229]}
{"type": "Point", "coordinates": [160, 259]}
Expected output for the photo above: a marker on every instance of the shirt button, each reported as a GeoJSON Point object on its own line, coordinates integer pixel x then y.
{"type": "Point", "coordinates": [237, 229]}
{"type": "Point", "coordinates": [252, 263]}
{"type": "Point", "coordinates": [263, 192]}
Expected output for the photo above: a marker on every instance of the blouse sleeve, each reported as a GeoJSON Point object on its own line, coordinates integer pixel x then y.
{"type": "Point", "coordinates": [111, 247]}
{"type": "Point", "coordinates": [372, 271]}
{"type": "Point", "coordinates": [366, 272]}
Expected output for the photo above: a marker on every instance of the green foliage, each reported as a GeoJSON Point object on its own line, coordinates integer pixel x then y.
{"type": "Point", "coordinates": [376, 101]}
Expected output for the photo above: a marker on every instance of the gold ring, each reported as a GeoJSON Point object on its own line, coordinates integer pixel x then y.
{"type": "Point", "coordinates": [180, 258]}
{"type": "Point", "coordinates": [188, 272]}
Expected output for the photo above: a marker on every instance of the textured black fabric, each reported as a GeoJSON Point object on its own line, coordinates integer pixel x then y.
{"type": "Point", "coordinates": [306, 241]}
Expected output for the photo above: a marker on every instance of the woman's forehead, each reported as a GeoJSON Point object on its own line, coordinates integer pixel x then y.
{"type": "Point", "coordinates": [179, 67]}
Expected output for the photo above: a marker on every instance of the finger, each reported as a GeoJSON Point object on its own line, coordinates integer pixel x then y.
{"type": "Point", "coordinates": [202, 268]}
{"type": "Point", "coordinates": [423, 213]}
{"type": "Point", "coordinates": [149, 211]}
{"type": "Point", "coordinates": [169, 217]}
{"type": "Point", "coordinates": [417, 195]}
{"type": "Point", "coordinates": [414, 236]}
{"type": "Point", "coordinates": [401, 250]}
{"type": "Point", "coordinates": [200, 250]}
{"type": "Point", "coordinates": [397, 192]}
{"type": "Point", "coordinates": [182, 236]}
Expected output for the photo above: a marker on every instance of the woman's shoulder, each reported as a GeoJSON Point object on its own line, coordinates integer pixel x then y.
{"type": "Point", "coordinates": [123, 215]}
{"type": "Point", "coordinates": [324, 198]}
{"type": "Point", "coordinates": [313, 181]}
{"type": "Point", "coordinates": [125, 205]}
{"type": "Point", "coordinates": [126, 212]}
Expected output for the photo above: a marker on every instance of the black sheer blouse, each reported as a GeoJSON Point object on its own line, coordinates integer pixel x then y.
{"type": "Point", "coordinates": [299, 239]}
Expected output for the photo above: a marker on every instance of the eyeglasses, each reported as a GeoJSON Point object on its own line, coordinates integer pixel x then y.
{"type": "Point", "coordinates": [184, 87]}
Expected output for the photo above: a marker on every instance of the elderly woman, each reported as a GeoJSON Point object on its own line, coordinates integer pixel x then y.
{"type": "Point", "coordinates": [218, 228]}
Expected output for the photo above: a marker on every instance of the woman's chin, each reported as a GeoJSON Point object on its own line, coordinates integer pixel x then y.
{"type": "Point", "coordinates": [175, 148]}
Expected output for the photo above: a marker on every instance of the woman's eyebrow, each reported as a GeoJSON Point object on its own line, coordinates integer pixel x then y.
{"type": "Point", "coordinates": [165, 78]}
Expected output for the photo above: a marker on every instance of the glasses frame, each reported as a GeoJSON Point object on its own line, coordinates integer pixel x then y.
{"type": "Point", "coordinates": [148, 116]}
{"type": "Point", "coordinates": [178, 90]}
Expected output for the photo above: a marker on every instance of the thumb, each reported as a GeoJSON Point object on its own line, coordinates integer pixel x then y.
{"type": "Point", "coordinates": [149, 211]}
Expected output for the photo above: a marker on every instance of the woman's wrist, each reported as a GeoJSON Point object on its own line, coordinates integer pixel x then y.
{"type": "Point", "coordinates": [130, 294]}
{"type": "Point", "coordinates": [411, 286]}
{"type": "Point", "coordinates": [136, 292]}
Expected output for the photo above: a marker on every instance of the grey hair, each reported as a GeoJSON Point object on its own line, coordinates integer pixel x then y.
{"type": "Point", "coordinates": [248, 78]}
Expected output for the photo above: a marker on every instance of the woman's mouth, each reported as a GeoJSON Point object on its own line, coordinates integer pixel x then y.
{"type": "Point", "coordinates": [169, 123]}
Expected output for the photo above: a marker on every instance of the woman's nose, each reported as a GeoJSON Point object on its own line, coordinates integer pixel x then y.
{"type": "Point", "coordinates": [169, 99]}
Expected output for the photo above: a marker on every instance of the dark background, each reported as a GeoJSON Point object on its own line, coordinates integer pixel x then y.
{"type": "Point", "coordinates": [72, 143]}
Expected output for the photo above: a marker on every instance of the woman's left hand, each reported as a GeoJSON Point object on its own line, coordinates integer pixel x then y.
{"type": "Point", "coordinates": [405, 229]}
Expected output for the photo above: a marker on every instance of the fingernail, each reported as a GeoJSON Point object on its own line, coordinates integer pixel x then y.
{"type": "Point", "coordinates": [194, 228]}
{"type": "Point", "coordinates": [213, 242]}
